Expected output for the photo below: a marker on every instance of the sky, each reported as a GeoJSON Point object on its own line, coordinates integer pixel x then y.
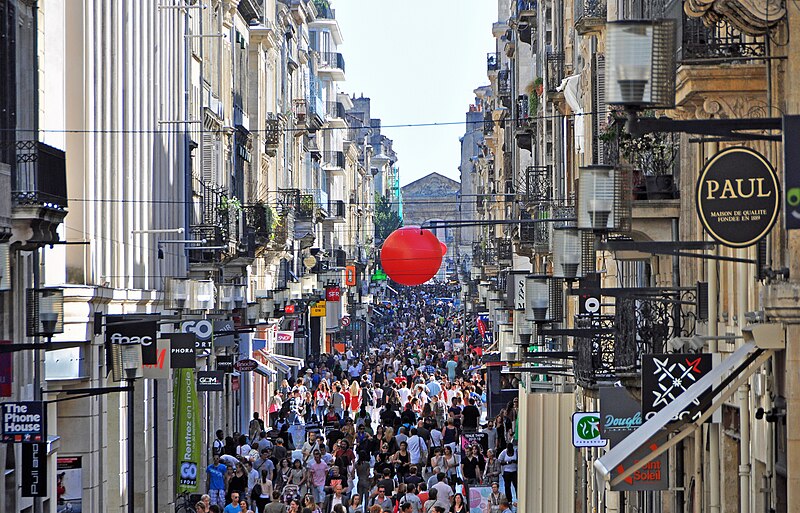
{"type": "Point", "coordinates": [419, 61]}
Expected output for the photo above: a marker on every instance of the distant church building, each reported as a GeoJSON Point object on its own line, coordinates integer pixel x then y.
{"type": "Point", "coordinates": [434, 197]}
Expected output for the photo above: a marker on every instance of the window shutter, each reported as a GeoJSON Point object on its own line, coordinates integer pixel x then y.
{"type": "Point", "coordinates": [601, 115]}
{"type": "Point", "coordinates": [207, 158]}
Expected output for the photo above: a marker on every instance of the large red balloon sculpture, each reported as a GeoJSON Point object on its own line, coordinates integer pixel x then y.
{"type": "Point", "coordinates": [411, 255]}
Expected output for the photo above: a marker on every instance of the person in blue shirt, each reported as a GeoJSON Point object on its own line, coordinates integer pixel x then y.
{"type": "Point", "coordinates": [451, 369]}
{"type": "Point", "coordinates": [234, 506]}
{"type": "Point", "coordinates": [216, 481]}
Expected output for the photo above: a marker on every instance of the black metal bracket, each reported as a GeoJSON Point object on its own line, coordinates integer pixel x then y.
{"type": "Point", "coordinates": [730, 129]}
{"type": "Point", "coordinates": [670, 248]}
{"type": "Point", "coordinates": [83, 393]}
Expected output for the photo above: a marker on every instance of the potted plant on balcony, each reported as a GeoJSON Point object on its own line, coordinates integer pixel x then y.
{"type": "Point", "coordinates": [652, 157]}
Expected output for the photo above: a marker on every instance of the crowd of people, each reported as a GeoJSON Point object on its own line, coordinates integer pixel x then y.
{"type": "Point", "coordinates": [399, 427]}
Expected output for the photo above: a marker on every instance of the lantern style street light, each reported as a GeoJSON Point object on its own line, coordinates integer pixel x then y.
{"type": "Point", "coordinates": [537, 297]}
{"type": "Point", "coordinates": [596, 198]}
{"type": "Point", "coordinates": [640, 63]}
{"type": "Point", "coordinates": [567, 252]}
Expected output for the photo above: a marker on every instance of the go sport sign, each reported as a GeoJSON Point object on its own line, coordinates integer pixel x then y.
{"type": "Point", "coordinates": [586, 430]}
{"type": "Point", "coordinates": [738, 197]}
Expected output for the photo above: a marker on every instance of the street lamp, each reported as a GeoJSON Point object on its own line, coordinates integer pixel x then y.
{"type": "Point", "coordinates": [567, 252]}
{"type": "Point", "coordinates": [45, 312]}
{"type": "Point", "coordinates": [596, 198]}
{"type": "Point", "coordinates": [537, 297]}
{"type": "Point", "coordinates": [176, 293]}
{"type": "Point", "coordinates": [640, 63]}
{"type": "Point", "coordinates": [203, 295]}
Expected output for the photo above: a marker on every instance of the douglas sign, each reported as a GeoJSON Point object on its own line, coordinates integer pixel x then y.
{"type": "Point", "coordinates": [738, 197]}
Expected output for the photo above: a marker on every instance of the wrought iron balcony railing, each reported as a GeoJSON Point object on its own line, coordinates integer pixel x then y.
{"type": "Point", "coordinates": [334, 158]}
{"type": "Point", "coordinates": [525, 121]}
{"type": "Point", "coordinates": [333, 60]}
{"type": "Point", "coordinates": [40, 176]}
{"type": "Point", "coordinates": [288, 200]}
{"type": "Point", "coordinates": [261, 218]}
{"type": "Point", "coordinates": [493, 61]}
{"type": "Point", "coordinates": [555, 70]}
{"type": "Point", "coordinates": [589, 14]}
{"type": "Point", "coordinates": [537, 185]}
{"type": "Point", "coordinates": [612, 347]}
{"type": "Point", "coordinates": [335, 110]}
{"type": "Point", "coordinates": [337, 209]}
{"type": "Point", "coordinates": [504, 83]}
{"type": "Point", "coordinates": [719, 41]}
{"type": "Point", "coordinates": [526, 8]}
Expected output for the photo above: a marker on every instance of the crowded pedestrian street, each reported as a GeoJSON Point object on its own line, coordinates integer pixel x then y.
{"type": "Point", "coordinates": [398, 425]}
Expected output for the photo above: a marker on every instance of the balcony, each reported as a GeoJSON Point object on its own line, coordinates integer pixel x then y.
{"type": "Point", "coordinates": [590, 15]}
{"type": "Point", "coordinates": [38, 192]}
{"type": "Point", "coordinates": [337, 211]}
{"type": "Point", "coordinates": [213, 219]}
{"type": "Point", "coordinates": [526, 121]}
{"type": "Point", "coordinates": [313, 202]}
{"type": "Point", "coordinates": [275, 126]}
{"type": "Point", "coordinates": [493, 62]}
{"type": "Point", "coordinates": [537, 187]}
{"type": "Point", "coordinates": [504, 83]}
{"type": "Point", "coordinates": [335, 110]}
{"type": "Point", "coordinates": [555, 70]}
{"type": "Point", "coordinates": [526, 9]}
{"type": "Point", "coordinates": [333, 161]}
{"type": "Point", "coordinates": [332, 63]}
{"type": "Point", "coordinates": [262, 220]}
{"type": "Point", "coordinates": [644, 321]}
{"type": "Point", "coordinates": [717, 43]}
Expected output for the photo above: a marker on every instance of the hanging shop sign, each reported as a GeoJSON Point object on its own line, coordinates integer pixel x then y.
{"type": "Point", "coordinates": [350, 275]}
{"type": "Point", "coordinates": [586, 430]}
{"type": "Point", "coordinates": [182, 351]}
{"type": "Point", "coordinates": [667, 376]}
{"type": "Point", "coordinates": [34, 470]}
{"type": "Point", "coordinates": [621, 415]}
{"type": "Point", "coordinates": [139, 329]}
{"type": "Point", "coordinates": [210, 381]}
{"type": "Point", "coordinates": [318, 310]}
{"type": "Point", "coordinates": [187, 431]}
{"type": "Point", "coordinates": [224, 332]}
{"type": "Point", "coordinates": [285, 337]}
{"type": "Point", "coordinates": [288, 309]}
{"type": "Point", "coordinates": [162, 368]}
{"type": "Point", "coordinates": [246, 365]}
{"type": "Point", "coordinates": [791, 177]}
{"type": "Point", "coordinates": [333, 294]}
{"type": "Point", "coordinates": [225, 363]}
{"type": "Point", "coordinates": [204, 333]}
{"type": "Point", "coordinates": [23, 421]}
{"type": "Point", "coordinates": [738, 197]}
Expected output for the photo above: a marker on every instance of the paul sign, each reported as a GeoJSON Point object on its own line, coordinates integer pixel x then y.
{"type": "Point", "coordinates": [738, 197]}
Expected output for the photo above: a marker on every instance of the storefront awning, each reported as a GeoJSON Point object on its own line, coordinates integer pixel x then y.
{"type": "Point", "coordinates": [722, 381]}
{"type": "Point", "coordinates": [289, 361]}
{"type": "Point", "coordinates": [265, 371]}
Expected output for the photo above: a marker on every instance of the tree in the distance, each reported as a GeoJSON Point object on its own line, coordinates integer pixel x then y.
{"type": "Point", "coordinates": [386, 219]}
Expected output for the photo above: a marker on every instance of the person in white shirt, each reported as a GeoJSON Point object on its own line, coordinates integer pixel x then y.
{"type": "Point", "coordinates": [404, 393]}
{"type": "Point", "coordinates": [416, 447]}
{"type": "Point", "coordinates": [243, 449]}
{"type": "Point", "coordinates": [253, 477]}
{"type": "Point", "coordinates": [508, 460]}
{"type": "Point", "coordinates": [443, 490]}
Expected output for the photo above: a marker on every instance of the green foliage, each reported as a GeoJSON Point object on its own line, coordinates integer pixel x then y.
{"type": "Point", "coordinates": [386, 219]}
